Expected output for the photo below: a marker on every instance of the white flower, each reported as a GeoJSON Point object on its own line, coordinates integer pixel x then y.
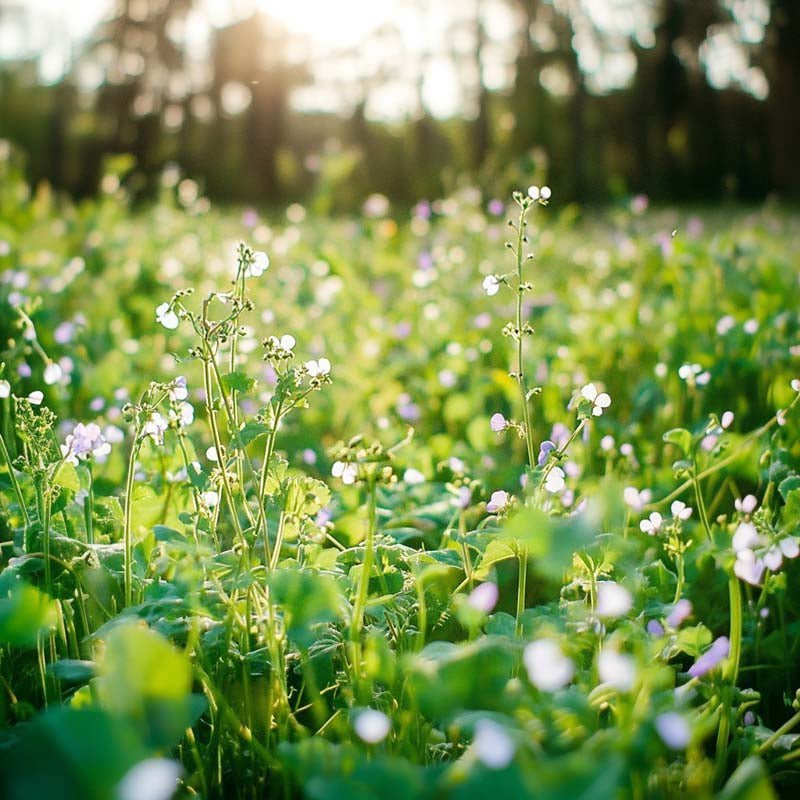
{"type": "Point", "coordinates": [613, 600]}
{"type": "Point", "coordinates": [789, 547]}
{"type": "Point", "coordinates": [747, 505]}
{"type": "Point", "coordinates": [635, 499]}
{"type": "Point", "coordinates": [547, 666]}
{"type": "Point", "coordinates": [599, 401]}
{"type": "Point", "coordinates": [534, 192]}
{"type": "Point", "coordinates": [178, 390]}
{"type": "Point", "coordinates": [694, 374]}
{"type": "Point", "coordinates": [183, 415]}
{"type": "Point", "coordinates": [498, 501]}
{"type": "Point", "coordinates": [545, 193]}
{"type": "Point", "coordinates": [211, 454]}
{"type": "Point", "coordinates": [652, 525]}
{"type": "Point", "coordinates": [345, 470]}
{"type": "Point", "coordinates": [616, 669]}
{"type": "Point", "coordinates": [151, 779]}
{"type": "Point", "coordinates": [498, 423]}
{"type": "Point", "coordinates": [795, 384]}
{"type": "Point", "coordinates": [285, 344]}
{"type": "Point", "coordinates": [773, 559]}
{"type": "Point", "coordinates": [35, 398]}
{"type": "Point", "coordinates": [680, 510]}
{"type": "Point", "coordinates": [746, 537]}
{"type": "Point", "coordinates": [52, 373]}
{"type": "Point", "coordinates": [413, 476]}
{"type": "Point", "coordinates": [167, 317]}
{"type": "Point", "coordinates": [259, 265]}
{"type": "Point", "coordinates": [673, 729]}
{"type": "Point", "coordinates": [491, 285]}
{"type": "Point", "coordinates": [155, 427]}
{"type": "Point", "coordinates": [317, 369]}
{"type": "Point", "coordinates": [555, 480]}
{"type": "Point", "coordinates": [493, 746]}
{"type": "Point", "coordinates": [5, 388]}
{"type": "Point", "coordinates": [372, 726]}
{"type": "Point", "coordinates": [484, 597]}
{"type": "Point", "coordinates": [209, 498]}
{"type": "Point", "coordinates": [748, 568]}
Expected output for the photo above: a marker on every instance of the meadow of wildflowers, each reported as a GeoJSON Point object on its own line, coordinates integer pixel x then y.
{"type": "Point", "coordinates": [482, 498]}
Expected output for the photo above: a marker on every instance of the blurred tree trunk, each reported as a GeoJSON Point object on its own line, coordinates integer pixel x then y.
{"type": "Point", "coordinates": [783, 72]}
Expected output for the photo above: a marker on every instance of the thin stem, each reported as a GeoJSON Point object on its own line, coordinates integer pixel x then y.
{"type": "Point", "coordinates": [522, 584]}
{"type": "Point", "coordinates": [127, 533]}
{"type": "Point", "coordinates": [520, 335]}
{"type": "Point", "coordinates": [14, 482]}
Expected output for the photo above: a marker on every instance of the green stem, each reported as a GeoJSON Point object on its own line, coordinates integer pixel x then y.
{"type": "Point", "coordinates": [14, 482]}
{"type": "Point", "coordinates": [43, 505]}
{"type": "Point", "coordinates": [522, 584]}
{"type": "Point", "coordinates": [526, 416]}
{"type": "Point", "coordinates": [127, 533]}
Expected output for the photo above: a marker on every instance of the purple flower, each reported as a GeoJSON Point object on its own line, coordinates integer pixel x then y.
{"type": "Point", "coordinates": [655, 628]}
{"type": "Point", "coordinates": [717, 652]}
{"type": "Point", "coordinates": [544, 451]}
{"type": "Point", "coordinates": [496, 207]}
{"type": "Point", "coordinates": [682, 609]}
{"type": "Point", "coordinates": [498, 423]}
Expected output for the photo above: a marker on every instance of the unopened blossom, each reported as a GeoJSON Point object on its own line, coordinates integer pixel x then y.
{"type": "Point", "coordinates": [748, 567]}
{"type": "Point", "coordinates": [681, 611]}
{"type": "Point", "coordinates": [494, 748]}
{"type": "Point", "coordinates": [258, 266]}
{"type": "Point", "coordinates": [548, 668]}
{"type": "Point", "coordinates": [498, 423]}
{"type": "Point", "coordinates": [5, 388]}
{"type": "Point", "coordinates": [613, 599]}
{"type": "Point", "coordinates": [616, 669]}
{"type": "Point", "coordinates": [318, 368]}
{"type": "Point", "coordinates": [167, 317]}
{"type": "Point", "coordinates": [746, 505]}
{"type": "Point", "coordinates": [539, 193]}
{"type": "Point", "coordinates": [674, 730]}
{"type": "Point", "coordinates": [372, 726]}
{"type": "Point", "coordinates": [652, 525]}
{"type": "Point", "coordinates": [52, 373]}
{"type": "Point", "coordinates": [491, 285]}
{"type": "Point", "coordinates": [555, 480]}
{"type": "Point", "coordinates": [599, 400]}
{"type": "Point", "coordinates": [209, 498]}
{"type": "Point", "coordinates": [345, 470]}
{"type": "Point", "coordinates": [795, 384]}
{"type": "Point", "coordinates": [711, 658]}
{"type": "Point", "coordinates": [498, 501]}
{"type": "Point", "coordinates": [680, 510]}
{"type": "Point", "coordinates": [484, 597]}
{"type": "Point", "coordinates": [726, 420]}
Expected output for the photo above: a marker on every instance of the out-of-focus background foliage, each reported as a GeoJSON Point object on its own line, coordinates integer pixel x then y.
{"type": "Point", "coordinates": [271, 101]}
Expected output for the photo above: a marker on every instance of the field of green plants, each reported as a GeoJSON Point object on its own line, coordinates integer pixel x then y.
{"type": "Point", "coordinates": [493, 496]}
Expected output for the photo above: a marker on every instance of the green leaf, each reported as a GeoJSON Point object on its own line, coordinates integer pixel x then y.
{"type": "Point", "coordinates": [24, 613]}
{"type": "Point", "coordinates": [72, 670]}
{"type": "Point", "coordinates": [308, 599]}
{"type": "Point", "coordinates": [238, 381]}
{"type": "Point", "coordinates": [789, 485]}
{"type": "Point", "coordinates": [67, 477]}
{"type": "Point", "coordinates": [681, 438]}
{"type": "Point", "coordinates": [250, 431]}
{"type": "Point", "coordinates": [750, 781]}
{"type": "Point", "coordinates": [143, 677]}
